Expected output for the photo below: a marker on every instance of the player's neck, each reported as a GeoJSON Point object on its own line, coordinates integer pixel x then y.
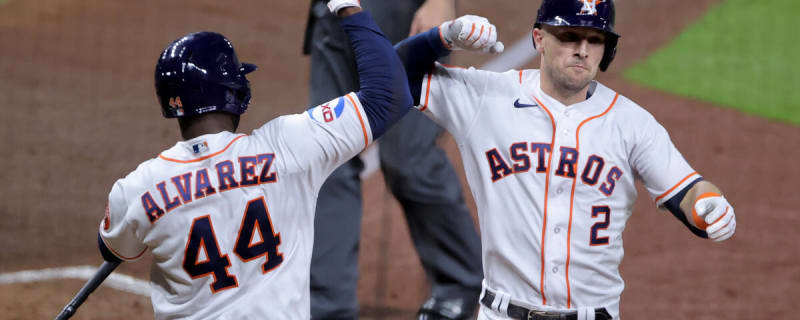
{"type": "Point", "coordinates": [564, 95]}
{"type": "Point", "coordinates": [214, 122]}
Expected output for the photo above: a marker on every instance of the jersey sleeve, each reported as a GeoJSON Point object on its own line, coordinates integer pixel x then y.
{"type": "Point", "coordinates": [117, 230]}
{"type": "Point", "coordinates": [452, 96]}
{"type": "Point", "coordinates": [658, 162]}
{"type": "Point", "coordinates": [323, 137]}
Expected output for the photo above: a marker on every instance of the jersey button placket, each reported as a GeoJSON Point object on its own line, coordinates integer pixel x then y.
{"type": "Point", "coordinates": [558, 200]}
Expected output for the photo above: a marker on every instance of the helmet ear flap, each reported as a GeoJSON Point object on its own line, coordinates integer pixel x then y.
{"type": "Point", "coordinates": [609, 52]}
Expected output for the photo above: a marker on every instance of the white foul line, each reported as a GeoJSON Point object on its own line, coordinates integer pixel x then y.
{"type": "Point", "coordinates": [115, 280]}
{"type": "Point", "coordinates": [514, 57]}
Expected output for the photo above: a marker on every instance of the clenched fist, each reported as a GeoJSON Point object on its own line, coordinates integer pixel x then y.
{"type": "Point", "coordinates": [471, 33]}
{"type": "Point", "coordinates": [714, 214]}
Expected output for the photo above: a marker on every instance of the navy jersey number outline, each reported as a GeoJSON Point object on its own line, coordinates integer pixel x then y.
{"type": "Point", "coordinates": [202, 236]}
{"type": "Point", "coordinates": [595, 240]}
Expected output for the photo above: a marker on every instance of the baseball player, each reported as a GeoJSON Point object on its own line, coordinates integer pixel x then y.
{"type": "Point", "coordinates": [229, 217]}
{"type": "Point", "coordinates": [414, 167]}
{"type": "Point", "coordinates": [551, 157]}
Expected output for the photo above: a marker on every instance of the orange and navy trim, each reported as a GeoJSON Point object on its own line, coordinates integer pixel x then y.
{"type": "Point", "coordinates": [675, 186]}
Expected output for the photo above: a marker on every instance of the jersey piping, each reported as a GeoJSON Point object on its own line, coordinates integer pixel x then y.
{"type": "Point", "coordinates": [572, 194]}
{"type": "Point", "coordinates": [546, 193]}
{"type": "Point", "coordinates": [162, 156]}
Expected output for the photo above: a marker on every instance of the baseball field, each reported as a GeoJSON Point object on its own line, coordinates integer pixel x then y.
{"type": "Point", "coordinates": [79, 111]}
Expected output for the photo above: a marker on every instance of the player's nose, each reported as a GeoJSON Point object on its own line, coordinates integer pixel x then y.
{"type": "Point", "coordinates": [582, 50]}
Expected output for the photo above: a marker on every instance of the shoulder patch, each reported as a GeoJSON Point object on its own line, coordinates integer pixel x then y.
{"type": "Point", "coordinates": [325, 113]}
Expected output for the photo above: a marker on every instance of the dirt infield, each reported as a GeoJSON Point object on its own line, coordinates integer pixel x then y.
{"type": "Point", "coordinates": [79, 111]}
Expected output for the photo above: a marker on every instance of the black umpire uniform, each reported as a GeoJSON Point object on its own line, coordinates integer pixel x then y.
{"type": "Point", "coordinates": [417, 172]}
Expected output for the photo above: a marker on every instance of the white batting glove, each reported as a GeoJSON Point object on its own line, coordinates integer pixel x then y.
{"type": "Point", "coordinates": [471, 33]}
{"type": "Point", "coordinates": [336, 5]}
{"type": "Point", "coordinates": [717, 213]}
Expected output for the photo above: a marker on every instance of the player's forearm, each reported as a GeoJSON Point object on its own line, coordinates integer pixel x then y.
{"type": "Point", "coordinates": [383, 84]}
{"type": "Point", "coordinates": [418, 54]}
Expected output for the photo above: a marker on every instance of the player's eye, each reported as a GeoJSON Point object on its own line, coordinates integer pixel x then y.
{"type": "Point", "coordinates": [596, 40]}
{"type": "Point", "coordinates": [568, 37]}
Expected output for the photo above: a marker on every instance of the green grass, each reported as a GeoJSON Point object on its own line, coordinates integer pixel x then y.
{"type": "Point", "coordinates": [743, 54]}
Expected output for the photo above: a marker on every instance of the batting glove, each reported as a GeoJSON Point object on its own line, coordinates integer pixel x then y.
{"type": "Point", "coordinates": [336, 5]}
{"type": "Point", "coordinates": [470, 33]}
{"type": "Point", "coordinates": [715, 215]}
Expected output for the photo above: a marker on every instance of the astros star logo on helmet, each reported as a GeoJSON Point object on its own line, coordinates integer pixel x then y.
{"type": "Point", "coordinates": [589, 7]}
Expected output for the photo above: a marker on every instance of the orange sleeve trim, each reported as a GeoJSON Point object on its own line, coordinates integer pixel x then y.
{"type": "Point", "coordinates": [427, 92]}
{"type": "Point", "coordinates": [205, 157]}
{"type": "Point", "coordinates": [118, 254]}
{"type": "Point", "coordinates": [360, 119]}
{"type": "Point", "coordinates": [675, 186]}
{"type": "Point", "coordinates": [700, 222]}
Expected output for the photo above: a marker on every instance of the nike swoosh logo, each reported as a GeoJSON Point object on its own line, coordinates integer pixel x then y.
{"type": "Point", "coordinates": [522, 105]}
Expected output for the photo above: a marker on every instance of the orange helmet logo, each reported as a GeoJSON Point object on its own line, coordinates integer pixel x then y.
{"type": "Point", "coordinates": [589, 7]}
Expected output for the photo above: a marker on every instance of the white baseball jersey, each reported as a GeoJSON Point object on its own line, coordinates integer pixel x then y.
{"type": "Point", "coordinates": [229, 217]}
{"type": "Point", "coordinates": [554, 185]}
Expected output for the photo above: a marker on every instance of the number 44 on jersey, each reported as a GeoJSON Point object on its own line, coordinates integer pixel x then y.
{"type": "Point", "coordinates": [202, 237]}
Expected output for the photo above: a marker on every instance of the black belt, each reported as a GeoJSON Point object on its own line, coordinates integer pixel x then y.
{"type": "Point", "coordinates": [518, 312]}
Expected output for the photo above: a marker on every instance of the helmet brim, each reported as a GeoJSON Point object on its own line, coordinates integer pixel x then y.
{"type": "Point", "coordinates": [247, 68]}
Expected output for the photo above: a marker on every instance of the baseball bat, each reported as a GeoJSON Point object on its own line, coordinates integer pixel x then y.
{"type": "Point", "coordinates": [98, 278]}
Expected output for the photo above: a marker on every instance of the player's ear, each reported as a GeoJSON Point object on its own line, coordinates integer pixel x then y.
{"type": "Point", "coordinates": [537, 37]}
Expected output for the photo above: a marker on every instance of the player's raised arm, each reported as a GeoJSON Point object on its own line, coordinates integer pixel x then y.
{"type": "Point", "coordinates": [383, 89]}
{"type": "Point", "coordinates": [327, 135]}
{"type": "Point", "coordinates": [418, 53]}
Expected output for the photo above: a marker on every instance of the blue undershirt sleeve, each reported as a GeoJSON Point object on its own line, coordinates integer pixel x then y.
{"type": "Point", "coordinates": [674, 206]}
{"type": "Point", "coordinates": [418, 54]}
{"type": "Point", "coordinates": [383, 83]}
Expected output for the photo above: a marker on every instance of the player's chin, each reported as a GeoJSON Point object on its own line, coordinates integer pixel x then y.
{"type": "Point", "coordinates": [580, 73]}
{"type": "Point", "coordinates": [579, 81]}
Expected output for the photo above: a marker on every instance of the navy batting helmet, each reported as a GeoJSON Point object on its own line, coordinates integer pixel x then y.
{"type": "Point", "coordinates": [200, 73]}
{"type": "Point", "coordinates": [596, 14]}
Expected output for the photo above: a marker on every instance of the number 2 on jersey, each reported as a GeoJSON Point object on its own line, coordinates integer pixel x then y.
{"type": "Point", "coordinates": [596, 240]}
{"type": "Point", "coordinates": [202, 237]}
